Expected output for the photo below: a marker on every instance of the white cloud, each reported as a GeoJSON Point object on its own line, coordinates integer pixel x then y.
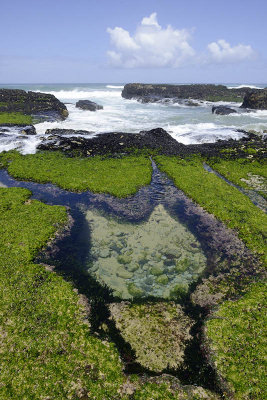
{"type": "Point", "coordinates": [154, 46]}
{"type": "Point", "coordinates": [222, 52]}
{"type": "Point", "coordinates": [150, 46]}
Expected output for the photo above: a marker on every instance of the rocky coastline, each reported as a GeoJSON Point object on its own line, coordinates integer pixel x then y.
{"type": "Point", "coordinates": [156, 140]}
{"type": "Point", "coordinates": [151, 93]}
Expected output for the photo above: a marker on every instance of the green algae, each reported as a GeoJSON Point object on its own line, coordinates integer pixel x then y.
{"type": "Point", "coordinates": [247, 173]}
{"type": "Point", "coordinates": [223, 201]}
{"type": "Point", "coordinates": [119, 177]}
{"type": "Point", "coordinates": [47, 350]}
{"type": "Point", "coordinates": [15, 118]}
{"type": "Point", "coordinates": [164, 389]}
{"type": "Point", "coordinates": [237, 339]}
{"type": "Point", "coordinates": [157, 332]}
{"type": "Point", "coordinates": [138, 260]}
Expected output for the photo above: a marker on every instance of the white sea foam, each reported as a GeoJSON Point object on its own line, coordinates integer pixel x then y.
{"type": "Point", "coordinates": [83, 94]}
{"type": "Point", "coordinates": [202, 133]}
{"type": "Point", "coordinates": [114, 87]}
{"type": "Point", "coordinates": [244, 86]}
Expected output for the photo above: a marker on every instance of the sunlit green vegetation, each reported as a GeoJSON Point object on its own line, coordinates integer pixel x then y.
{"type": "Point", "coordinates": [237, 333]}
{"type": "Point", "coordinates": [247, 173]}
{"type": "Point", "coordinates": [47, 351]}
{"type": "Point", "coordinates": [227, 203]}
{"type": "Point", "coordinates": [120, 177]}
{"type": "Point", "coordinates": [15, 118]}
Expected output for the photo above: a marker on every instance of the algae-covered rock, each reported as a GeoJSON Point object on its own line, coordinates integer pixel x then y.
{"type": "Point", "coordinates": [166, 387]}
{"type": "Point", "coordinates": [235, 339]}
{"type": "Point", "coordinates": [256, 100]}
{"type": "Point", "coordinates": [157, 332]}
{"type": "Point", "coordinates": [32, 103]}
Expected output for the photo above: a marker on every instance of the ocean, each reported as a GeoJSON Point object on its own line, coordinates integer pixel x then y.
{"type": "Point", "coordinates": [187, 124]}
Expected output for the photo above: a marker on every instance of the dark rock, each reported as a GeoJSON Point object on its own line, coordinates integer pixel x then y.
{"type": "Point", "coordinates": [19, 128]}
{"type": "Point", "coordinates": [156, 140]}
{"type": "Point", "coordinates": [31, 103]}
{"type": "Point", "coordinates": [152, 93]}
{"type": "Point", "coordinates": [222, 110]}
{"type": "Point", "coordinates": [88, 105]}
{"type": "Point", "coordinates": [28, 130]}
{"type": "Point", "coordinates": [68, 132]}
{"type": "Point", "coordinates": [256, 100]}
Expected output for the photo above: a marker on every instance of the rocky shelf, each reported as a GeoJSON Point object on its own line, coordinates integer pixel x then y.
{"type": "Point", "coordinates": [147, 93]}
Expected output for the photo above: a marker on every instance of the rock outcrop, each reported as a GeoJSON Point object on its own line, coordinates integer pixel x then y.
{"type": "Point", "coordinates": [157, 140]}
{"type": "Point", "coordinates": [222, 110]}
{"type": "Point", "coordinates": [36, 104]}
{"type": "Point", "coordinates": [88, 105]}
{"type": "Point", "coordinates": [256, 100]}
{"type": "Point", "coordinates": [152, 93]}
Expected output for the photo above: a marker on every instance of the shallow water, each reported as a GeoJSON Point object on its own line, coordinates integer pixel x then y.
{"type": "Point", "coordinates": [156, 243]}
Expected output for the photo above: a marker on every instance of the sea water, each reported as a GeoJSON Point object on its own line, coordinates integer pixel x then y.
{"type": "Point", "coordinates": [187, 124]}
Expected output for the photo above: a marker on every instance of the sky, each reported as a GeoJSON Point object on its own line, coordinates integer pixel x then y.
{"type": "Point", "coordinates": [120, 41]}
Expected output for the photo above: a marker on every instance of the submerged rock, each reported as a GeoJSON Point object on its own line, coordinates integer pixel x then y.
{"type": "Point", "coordinates": [144, 256]}
{"type": "Point", "coordinates": [222, 110]}
{"type": "Point", "coordinates": [88, 105]}
{"type": "Point", "coordinates": [157, 332]}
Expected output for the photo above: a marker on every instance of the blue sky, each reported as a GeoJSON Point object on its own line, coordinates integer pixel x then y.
{"type": "Point", "coordinates": [48, 41]}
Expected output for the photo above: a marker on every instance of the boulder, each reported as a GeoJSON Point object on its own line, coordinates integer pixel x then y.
{"type": "Point", "coordinates": [28, 130]}
{"type": "Point", "coordinates": [31, 103]}
{"type": "Point", "coordinates": [256, 100]}
{"type": "Point", "coordinates": [88, 105]}
{"type": "Point", "coordinates": [222, 110]}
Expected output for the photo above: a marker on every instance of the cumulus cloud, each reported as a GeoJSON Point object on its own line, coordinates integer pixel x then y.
{"type": "Point", "coordinates": [155, 46]}
{"type": "Point", "coordinates": [222, 52]}
{"type": "Point", "coordinates": [150, 46]}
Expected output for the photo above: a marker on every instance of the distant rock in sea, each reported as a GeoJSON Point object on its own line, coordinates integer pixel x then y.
{"type": "Point", "coordinates": [222, 110]}
{"type": "Point", "coordinates": [88, 105]}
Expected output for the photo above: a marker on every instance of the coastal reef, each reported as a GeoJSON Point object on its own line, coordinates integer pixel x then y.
{"type": "Point", "coordinates": [153, 92]}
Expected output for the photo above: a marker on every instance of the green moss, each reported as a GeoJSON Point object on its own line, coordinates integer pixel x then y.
{"type": "Point", "coordinates": [117, 176]}
{"type": "Point", "coordinates": [15, 118]}
{"type": "Point", "coordinates": [46, 347]}
{"type": "Point", "coordinates": [237, 335]}
{"type": "Point", "coordinates": [247, 173]}
{"type": "Point", "coordinates": [217, 197]}
{"type": "Point", "coordinates": [230, 98]}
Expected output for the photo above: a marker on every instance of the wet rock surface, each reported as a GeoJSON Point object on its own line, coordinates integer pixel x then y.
{"type": "Point", "coordinates": [157, 332]}
{"type": "Point", "coordinates": [88, 105]}
{"type": "Point", "coordinates": [157, 140]}
{"type": "Point", "coordinates": [222, 110]}
{"type": "Point", "coordinates": [31, 103]}
{"type": "Point", "coordinates": [19, 128]}
{"type": "Point", "coordinates": [256, 100]}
